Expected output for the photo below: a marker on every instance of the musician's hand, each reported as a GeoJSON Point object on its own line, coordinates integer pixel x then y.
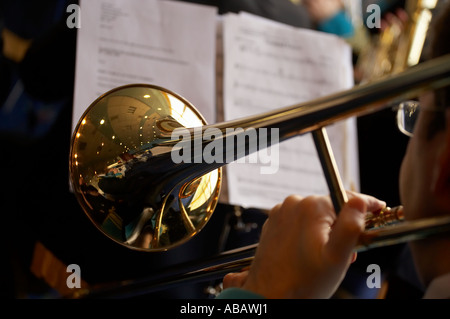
{"type": "Point", "coordinates": [305, 250]}
{"type": "Point", "coordinates": [235, 279]}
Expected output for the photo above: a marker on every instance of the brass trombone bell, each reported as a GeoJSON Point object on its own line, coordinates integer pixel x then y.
{"type": "Point", "coordinates": [123, 177]}
{"type": "Point", "coordinates": [120, 159]}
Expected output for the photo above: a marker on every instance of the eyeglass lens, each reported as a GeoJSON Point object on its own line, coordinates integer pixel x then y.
{"type": "Point", "coordinates": [407, 115]}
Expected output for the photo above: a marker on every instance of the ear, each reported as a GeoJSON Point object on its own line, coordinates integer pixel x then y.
{"type": "Point", "coordinates": [442, 185]}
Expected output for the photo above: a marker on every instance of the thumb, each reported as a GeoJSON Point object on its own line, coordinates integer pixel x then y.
{"type": "Point", "coordinates": [235, 279]}
{"type": "Point", "coordinates": [346, 230]}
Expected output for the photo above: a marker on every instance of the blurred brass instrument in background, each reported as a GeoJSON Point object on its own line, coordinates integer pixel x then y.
{"type": "Point", "coordinates": [399, 44]}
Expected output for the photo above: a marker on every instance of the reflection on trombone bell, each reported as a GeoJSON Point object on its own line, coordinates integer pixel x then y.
{"type": "Point", "coordinates": [237, 142]}
{"type": "Point", "coordinates": [120, 149]}
{"type": "Point", "coordinates": [121, 161]}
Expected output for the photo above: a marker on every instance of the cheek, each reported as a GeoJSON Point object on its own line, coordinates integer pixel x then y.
{"type": "Point", "coordinates": [410, 182]}
{"type": "Point", "coordinates": [405, 179]}
{"type": "Point", "coordinates": [415, 178]}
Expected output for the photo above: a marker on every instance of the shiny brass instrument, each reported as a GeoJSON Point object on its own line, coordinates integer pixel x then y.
{"type": "Point", "coordinates": [400, 44]}
{"type": "Point", "coordinates": [124, 177]}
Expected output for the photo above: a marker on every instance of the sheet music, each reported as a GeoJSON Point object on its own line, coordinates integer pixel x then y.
{"type": "Point", "coordinates": [269, 65]}
{"type": "Point", "coordinates": [166, 43]}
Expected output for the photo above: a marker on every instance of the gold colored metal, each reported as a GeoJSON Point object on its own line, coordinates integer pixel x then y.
{"type": "Point", "coordinates": [385, 217]}
{"type": "Point", "coordinates": [125, 179]}
{"type": "Point", "coordinates": [330, 169]}
{"type": "Point", "coordinates": [400, 44]}
{"type": "Point", "coordinates": [128, 185]}
{"type": "Point", "coordinates": [133, 203]}
{"type": "Point", "coordinates": [236, 260]}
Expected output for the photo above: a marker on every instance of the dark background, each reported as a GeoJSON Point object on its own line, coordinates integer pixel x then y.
{"type": "Point", "coordinates": [36, 203]}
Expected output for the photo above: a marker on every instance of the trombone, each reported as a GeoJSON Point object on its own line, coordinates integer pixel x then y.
{"type": "Point", "coordinates": [124, 177]}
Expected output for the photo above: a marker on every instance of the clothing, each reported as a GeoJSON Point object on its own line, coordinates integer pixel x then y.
{"type": "Point", "coordinates": [339, 24]}
{"type": "Point", "coordinates": [238, 293]}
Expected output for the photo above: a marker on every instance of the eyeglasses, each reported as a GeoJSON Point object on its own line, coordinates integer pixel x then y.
{"type": "Point", "coordinates": [407, 113]}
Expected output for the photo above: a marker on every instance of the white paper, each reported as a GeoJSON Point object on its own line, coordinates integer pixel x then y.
{"type": "Point", "coordinates": [268, 65]}
{"type": "Point", "coordinates": [165, 43]}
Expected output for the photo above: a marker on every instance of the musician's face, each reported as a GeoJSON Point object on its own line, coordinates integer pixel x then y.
{"type": "Point", "coordinates": [422, 164]}
{"type": "Point", "coordinates": [425, 185]}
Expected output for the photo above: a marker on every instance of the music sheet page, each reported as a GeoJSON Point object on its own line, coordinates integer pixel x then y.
{"type": "Point", "coordinates": [268, 65]}
{"type": "Point", "coordinates": [165, 43]}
